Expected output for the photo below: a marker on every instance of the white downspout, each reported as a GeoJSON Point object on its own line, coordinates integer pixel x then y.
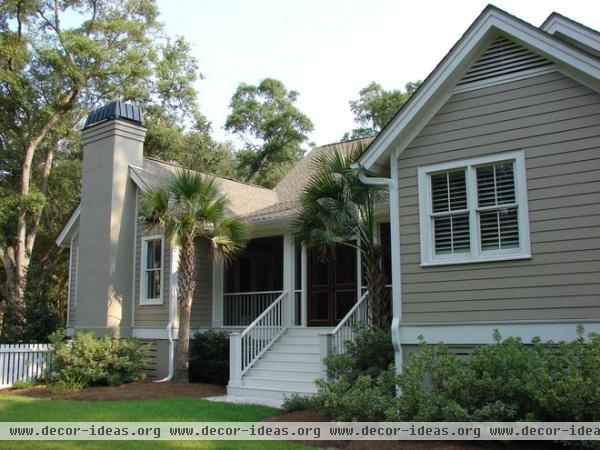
{"type": "Point", "coordinates": [392, 185]}
{"type": "Point", "coordinates": [172, 314]}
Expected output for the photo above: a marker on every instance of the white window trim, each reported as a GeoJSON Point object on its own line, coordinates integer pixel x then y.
{"type": "Point", "coordinates": [143, 299]}
{"type": "Point", "coordinates": [428, 258]}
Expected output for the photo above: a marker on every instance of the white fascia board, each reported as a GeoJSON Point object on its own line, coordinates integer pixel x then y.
{"type": "Point", "coordinates": [557, 24]}
{"type": "Point", "coordinates": [65, 235]}
{"type": "Point", "coordinates": [436, 89]}
{"type": "Point", "coordinates": [136, 178]}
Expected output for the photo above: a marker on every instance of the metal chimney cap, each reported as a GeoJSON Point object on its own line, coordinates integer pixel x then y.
{"type": "Point", "coordinates": [116, 110]}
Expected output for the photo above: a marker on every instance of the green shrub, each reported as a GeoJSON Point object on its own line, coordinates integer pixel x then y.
{"type": "Point", "coordinates": [505, 381]}
{"type": "Point", "coordinates": [297, 402]}
{"type": "Point", "coordinates": [371, 353]}
{"type": "Point", "coordinates": [86, 360]}
{"type": "Point", "coordinates": [209, 357]}
{"type": "Point", "coordinates": [23, 384]}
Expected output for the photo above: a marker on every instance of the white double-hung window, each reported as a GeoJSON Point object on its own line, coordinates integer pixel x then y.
{"type": "Point", "coordinates": [151, 267]}
{"type": "Point", "coordinates": [474, 210]}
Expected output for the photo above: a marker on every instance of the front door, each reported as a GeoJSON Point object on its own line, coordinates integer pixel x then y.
{"type": "Point", "coordinates": [331, 286]}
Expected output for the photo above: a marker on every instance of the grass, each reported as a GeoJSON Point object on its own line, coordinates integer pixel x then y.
{"type": "Point", "coordinates": [14, 408]}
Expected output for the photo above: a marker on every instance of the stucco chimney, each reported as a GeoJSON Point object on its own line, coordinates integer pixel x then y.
{"type": "Point", "coordinates": [113, 139]}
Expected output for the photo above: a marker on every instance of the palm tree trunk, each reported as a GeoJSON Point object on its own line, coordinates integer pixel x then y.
{"type": "Point", "coordinates": [380, 307]}
{"type": "Point", "coordinates": [186, 284]}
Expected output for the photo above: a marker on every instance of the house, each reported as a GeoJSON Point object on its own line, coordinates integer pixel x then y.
{"type": "Point", "coordinates": [493, 171]}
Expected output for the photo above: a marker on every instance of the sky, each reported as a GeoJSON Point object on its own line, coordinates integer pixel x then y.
{"type": "Point", "coordinates": [328, 50]}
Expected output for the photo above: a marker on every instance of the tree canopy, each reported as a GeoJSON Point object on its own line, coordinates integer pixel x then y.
{"type": "Point", "coordinates": [58, 61]}
{"type": "Point", "coordinates": [272, 128]}
{"type": "Point", "coordinates": [376, 106]}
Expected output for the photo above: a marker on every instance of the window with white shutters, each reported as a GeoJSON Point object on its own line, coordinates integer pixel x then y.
{"type": "Point", "coordinates": [474, 210]}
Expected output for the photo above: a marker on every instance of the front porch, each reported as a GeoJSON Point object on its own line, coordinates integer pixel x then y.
{"type": "Point", "coordinates": [287, 309]}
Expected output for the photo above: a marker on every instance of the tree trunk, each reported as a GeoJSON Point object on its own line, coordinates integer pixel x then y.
{"type": "Point", "coordinates": [380, 307]}
{"type": "Point", "coordinates": [186, 284]}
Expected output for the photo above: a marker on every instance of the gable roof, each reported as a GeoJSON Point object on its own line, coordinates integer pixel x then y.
{"type": "Point", "coordinates": [244, 197]}
{"type": "Point", "coordinates": [573, 32]}
{"type": "Point", "coordinates": [435, 90]}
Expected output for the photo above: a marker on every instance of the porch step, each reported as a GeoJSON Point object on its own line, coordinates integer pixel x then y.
{"type": "Point", "coordinates": [289, 367]}
{"type": "Point", "coordinates": [274, 355]}
{"type": "Point", "coordinates": [300, 339]}
{"type": "Point", "coordinates": [300, 366]}
{"type": "Point", "coordinates": [283, 374]}
{"type": "Point", "coordinates": [296, 348]}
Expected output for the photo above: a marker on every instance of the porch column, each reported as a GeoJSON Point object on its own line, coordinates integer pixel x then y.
{"type": "Point", "coordinates": [288, 278]}
{"type": "Point", "coordinates": [217, 292]}
{"type": "Point", "coordinates": [304, 287]}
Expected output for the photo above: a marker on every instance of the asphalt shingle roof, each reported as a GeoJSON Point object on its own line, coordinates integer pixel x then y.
{"type": "Point", "coordinates": [254, 203]}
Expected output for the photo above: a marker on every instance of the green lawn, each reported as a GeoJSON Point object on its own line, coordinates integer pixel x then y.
{"type": "Point", "coordinates": [14, 408]}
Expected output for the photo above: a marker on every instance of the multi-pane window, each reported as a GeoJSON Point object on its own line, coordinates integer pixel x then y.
{"type": "Point", "coordinates": [152, 262]}
{"type": "Point", "coordinates": [450, 213]}
{"type": "Point", "coordinates": [497, 206]}
{"type": "Point", "coordinates": [474, 210]}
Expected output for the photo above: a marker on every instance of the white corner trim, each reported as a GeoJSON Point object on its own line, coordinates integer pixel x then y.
{"type": "Point", "coordinates": [62, 237]}
{"type": "Point", "coordinates": [427, 238]}
{"type": "Point", "coordinates": [430, 96]}
{"type": "Point", "coordinates": [143, 300]}
{"type": "Point", "coordinates": [483, 332]}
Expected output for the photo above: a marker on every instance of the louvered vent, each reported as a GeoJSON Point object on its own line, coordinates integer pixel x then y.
{"type": "Point", "coordinates": [502, 57]}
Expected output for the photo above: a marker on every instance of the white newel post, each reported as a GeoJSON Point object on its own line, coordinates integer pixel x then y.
{"type": "Point", "coordinates": [288, 279]}
{"type": "Point", "coordinates": [235, 359]}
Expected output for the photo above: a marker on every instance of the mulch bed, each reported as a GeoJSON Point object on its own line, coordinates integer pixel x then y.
{"type": "Point", "coordinates": [132, 391]}
{"type": "Point", "coordinates": [310, 416]}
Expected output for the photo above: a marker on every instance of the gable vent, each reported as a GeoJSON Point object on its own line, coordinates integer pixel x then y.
{"type": "Point", "coordinates": [502, 57]}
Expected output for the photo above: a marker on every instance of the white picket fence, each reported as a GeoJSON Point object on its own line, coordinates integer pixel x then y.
{"type": "Point", "coordinates": [22, 362]}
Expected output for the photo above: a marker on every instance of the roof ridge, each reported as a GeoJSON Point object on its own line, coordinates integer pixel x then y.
{"type": "Point", "coordinates": [160, 161]}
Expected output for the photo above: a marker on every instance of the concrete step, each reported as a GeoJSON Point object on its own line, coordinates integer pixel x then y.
{"type": "Point", "coordinates": [276, 355]}
{"type": "Point", "coordinates": [277, 394]}
{"type": "Point", "coordinates": [280, 385]}
{"type": "Point", "coordinates": [283, 375]}
{"type": "Point", "coordinates": [269, 364]}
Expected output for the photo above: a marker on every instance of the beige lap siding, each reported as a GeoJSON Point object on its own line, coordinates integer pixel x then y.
{"type": "Point", "coordinates": [73, 282]}
{"type": "Point", "coordinates": [151, 316]}
{"type": "Point", "coordinates": [157, 316]}
{"type": "Point", "coordinates": [556, 121]}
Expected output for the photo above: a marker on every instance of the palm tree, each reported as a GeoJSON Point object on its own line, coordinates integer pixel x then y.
{"type": "Point", "coordinates": [188, 207]}
{"type": "Point", "coordinates": [336, 208]}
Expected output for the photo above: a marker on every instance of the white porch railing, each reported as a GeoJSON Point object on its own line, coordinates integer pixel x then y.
{"type": "Point", "coordinates": [249, 345]}
{"type": "Point", "coordinates": [334, 342]}
{"type": "Point", "coordinates": [22, 362]}
{"type": "Point", "coordinates": [240, 309]}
